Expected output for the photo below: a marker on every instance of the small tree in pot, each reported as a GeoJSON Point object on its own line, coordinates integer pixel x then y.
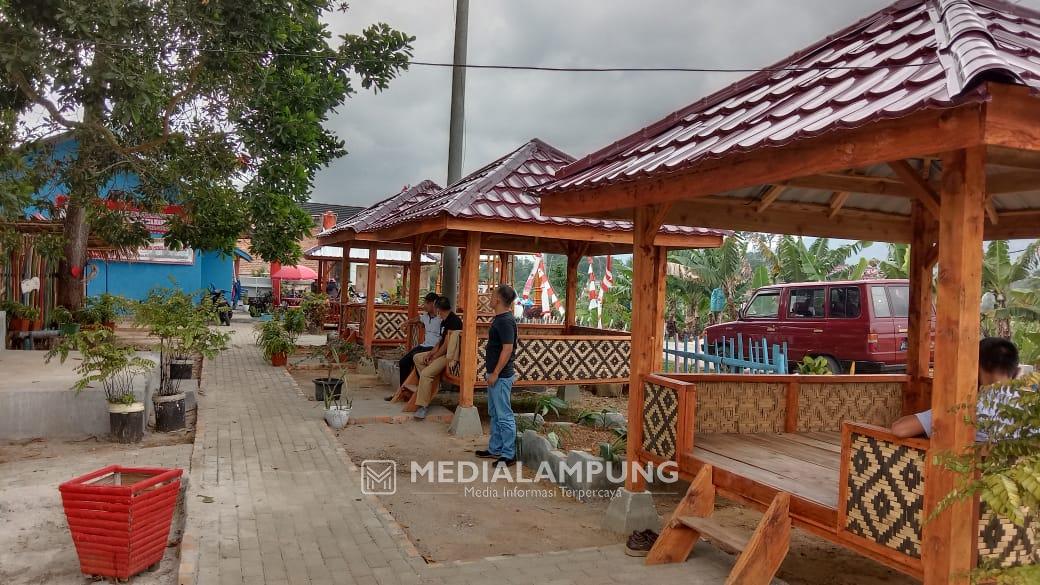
{"type": "Point", "coordinates": [275, 342]}
{"type": "Point", "coordinates": [116, 369]}
{"type": "Point", "coordinates": [337, 408]}
{"type": "Point", "coordinates": [183, 332]}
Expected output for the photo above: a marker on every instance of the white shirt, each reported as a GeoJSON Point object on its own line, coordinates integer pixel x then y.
{"type": "Point", "coordinates": [1002, 396]}
{"type": "Point", "coordinates": [432, 323]}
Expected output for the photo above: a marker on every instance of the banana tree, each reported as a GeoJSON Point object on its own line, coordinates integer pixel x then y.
{"type": "Point", "coordinates": [1012, 284]}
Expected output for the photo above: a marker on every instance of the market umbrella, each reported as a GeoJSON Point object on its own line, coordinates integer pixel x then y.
{"type": "Point", "coordinates": [295, 273]}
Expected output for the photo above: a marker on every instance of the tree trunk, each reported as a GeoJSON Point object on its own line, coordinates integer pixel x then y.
{"type": "Point", "coordinates": [72, 269]}
{"type": "Point", "coordinates": [1003, 321]}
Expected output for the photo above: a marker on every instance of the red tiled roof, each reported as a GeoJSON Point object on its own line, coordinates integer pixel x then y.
{"type": "Point", "coordinates": [408, 197]}
{"type": "Point", "coordinates": [912, 56]}
{"type": "Point", "coordinates": [501, 191]}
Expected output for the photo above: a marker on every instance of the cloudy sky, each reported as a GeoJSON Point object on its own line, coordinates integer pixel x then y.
{"type": "Point", "coordinates": [400, 136]}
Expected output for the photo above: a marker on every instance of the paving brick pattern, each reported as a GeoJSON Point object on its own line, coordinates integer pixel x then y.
{"type": "Point", "coordinates": [273, 500]}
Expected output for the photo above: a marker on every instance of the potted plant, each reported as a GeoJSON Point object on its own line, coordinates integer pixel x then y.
{"type": "Point", "coordinates": [315, 307]}
{"type": "Point", "coordinates": [116, 369]}
{"type": "Point", "coordinates": [294, 322]}
{"type": "Point", "coordinates": [21, 316]}
{"type": "Point", "coordinates": [337, 409]}
{"type": "Point", "coordinates": [274, 342]}
{"type": "Point", "coordinates": [103, 309]}
{"type": "Point", "coordinates": [183, 332]}
{"type": "Point", "coordinates": [349, 353]}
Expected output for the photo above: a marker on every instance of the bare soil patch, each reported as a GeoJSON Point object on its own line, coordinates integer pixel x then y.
{"type": "Point", "coordinates": [35, 544]}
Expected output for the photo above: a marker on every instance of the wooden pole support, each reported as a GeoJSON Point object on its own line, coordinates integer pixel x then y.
{"type": "Point", "coordinates": [370, 301]}
{"type": "Point", "coordinates": [468, 351]}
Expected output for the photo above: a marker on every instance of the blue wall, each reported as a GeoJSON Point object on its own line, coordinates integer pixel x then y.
{"type": "Point", "coordinates": [134, 279]}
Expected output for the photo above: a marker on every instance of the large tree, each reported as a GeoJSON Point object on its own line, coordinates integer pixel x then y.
{"type": "Point", "coordinates": [215, 106]}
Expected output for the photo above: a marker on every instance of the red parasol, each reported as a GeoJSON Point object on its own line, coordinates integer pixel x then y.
{"type": "Point", "coordinates": [295, 273]}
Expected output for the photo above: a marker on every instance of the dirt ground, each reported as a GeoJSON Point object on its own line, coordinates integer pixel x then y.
{"type": "Point", "coordinates": [35, 545]}
{"type": "Point", "coordinates": [446, 523]}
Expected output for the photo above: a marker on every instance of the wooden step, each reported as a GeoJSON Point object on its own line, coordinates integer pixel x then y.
{"type": "Point", "coordinates": [726, 538]}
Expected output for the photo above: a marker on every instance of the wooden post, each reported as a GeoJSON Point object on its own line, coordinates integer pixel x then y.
{"type": "Point", "coordinates": [344, 288]}
{"type": "Point", "coordinates": [948, 540]}
{"type": "Point", "coordinates": [918, 355]}
{"type": "Point", "coordinates": [570, 302]}
{"type": "Point", "coordinates": [321, 276]}
{"type": "Point", "coordinates": [412, 273]}
{"type": "Point", "coordinates": [647, 292]}
{"type": "Point", "coordinates": [505, 259]}
{"type": "Point", "coordinates": [370, 301]}
{"type": "Point", "coordinates": [468, 351]}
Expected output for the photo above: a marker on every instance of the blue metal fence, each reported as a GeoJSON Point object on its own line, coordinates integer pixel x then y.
{"type": "Point", "coordinates": [734, 355]}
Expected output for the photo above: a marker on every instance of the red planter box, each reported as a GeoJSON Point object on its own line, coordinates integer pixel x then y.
{"type": "Point", "coordinates": [120, 517]}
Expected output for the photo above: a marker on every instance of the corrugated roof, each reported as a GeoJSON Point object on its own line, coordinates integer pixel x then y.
{"type": "Point", "coordinates": [408, 197]}
{"type": "Point", "coordinates": [501, 191]}
{"type": "Point", "coordinates": [912, 56]}
{"type": "Point", "coordinates": [317, 209]}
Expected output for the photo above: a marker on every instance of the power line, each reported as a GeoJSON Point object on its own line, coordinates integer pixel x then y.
{"type": "Point", "coordinates": [553, 69]}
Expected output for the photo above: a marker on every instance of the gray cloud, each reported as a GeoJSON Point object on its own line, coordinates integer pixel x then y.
{"type": "Point", "coordinates": [401, 136]}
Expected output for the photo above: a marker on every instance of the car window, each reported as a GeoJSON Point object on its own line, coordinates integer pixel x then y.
{"type": "Point", "coordinates": [764, 305]}
{"type": "Point", "coordinates": [879, 302]}
{"type": "Point", "coordinates": [844, 302]}
{"type": "Point", "coordinates": [806, 303]}
{"type": "Point", "coordinates": [899, 300]}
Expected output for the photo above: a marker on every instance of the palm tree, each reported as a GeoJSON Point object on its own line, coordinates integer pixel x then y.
{"type": "Point", "coordinates": [1012, 284]}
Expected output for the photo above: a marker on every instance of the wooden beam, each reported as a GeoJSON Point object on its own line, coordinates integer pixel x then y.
{"type": "Point", "coordinates": [768, 546]}
{"type": "Point", "coordinates": [1014, 225]}
{"type": "Point", "coordinates": [571, 295]}
{"type": "Point", "coordinates": [648, 263]}
{"type": "Point", "coordinates": [918, 186]}
{"type": "Point", "coordinates": [414, 272]}
{"type": "Point", "coordinates": [991, 212]}
{"type": "Point", "coordinates": [771, 195]}
{"type": "Point", "coordinates": [1013, 157]}
{"type": "Point", "coordinates": [468, 351]}
{"type": "Point", "coordinates": [1012, 118]}
{"type": "Point", "coordinates": [784, 217]}
{"type": "Point", "coordinates": [838, 199]}
{"type": "Point", "coordinates": [919, 325]}
{"type": "Point", "coordinates": [676, 541]}
{"type": "Point", "coordinates": [948, 541]}
{"type": "Point", "coordinates": [344, 287]}
{"type": "Point", "coordinates": [926, 132]}
{"type": "Point", "coordinates": [886, 186]}
{"type": "Point", "coordinates": [370, 300]}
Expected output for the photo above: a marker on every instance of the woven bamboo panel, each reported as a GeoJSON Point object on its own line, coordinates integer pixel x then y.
{"type": "Point", "coordinates": [886, 493]}
{"type": "Point", "coordinates": [390, 326]}
{"type": "Point", "coordinates": [740, 407]}
{"type": "Point", "coordinates": [484, 303]}
{"type": "Point", "coordinates": [1003, 544]}
{"type": "Point", "coordinates": [660, 417]}
{"type": "Point", "coordinates": [823, 407]}
{"type": "Point", "coordinates": [549, 360]}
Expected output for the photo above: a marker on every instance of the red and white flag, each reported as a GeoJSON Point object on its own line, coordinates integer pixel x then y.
{"type": "Point", "coordinates": [593, 288]}
{"type": "Point", "coordinates": [608, 277]}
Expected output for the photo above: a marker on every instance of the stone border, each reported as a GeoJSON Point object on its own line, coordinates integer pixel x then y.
{"type": "Point", "coordinates": [536, 450]}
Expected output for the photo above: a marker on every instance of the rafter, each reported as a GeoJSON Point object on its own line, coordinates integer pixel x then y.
{"type": "Point", "coordinates": [919, 188]}
{"type": "Point", "coordinates": [838, 199]}
{"type": "Point", "coordinates": [771, 194]}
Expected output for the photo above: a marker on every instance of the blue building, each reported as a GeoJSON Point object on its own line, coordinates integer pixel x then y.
{"type": "Point", "coordinates": [155, 265]}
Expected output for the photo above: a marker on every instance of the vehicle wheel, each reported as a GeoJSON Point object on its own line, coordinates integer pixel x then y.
{"type": "Point", "coordinates": [833, 364]}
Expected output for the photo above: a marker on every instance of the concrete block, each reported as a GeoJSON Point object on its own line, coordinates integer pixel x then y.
{"type": "Point", "coordinates": [466, 422]}
{"type": "Point", "coordinates": [609, 390]}
{"type": "Point", "coordinates": [594, 473]}
{"type": "Point", "coordinates": [528, 416]}
{"type": "Point", "coordinates": [631, 511]}
{"type": "Point", "coordinates": [615, 420]}
{"type": "Point", "coordinates": [569, 394]}
{"type": "Point", "coordinates": [534, 449]}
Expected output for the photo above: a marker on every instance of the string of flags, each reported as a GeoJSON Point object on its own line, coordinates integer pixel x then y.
{"type": "Point", "coordinates": [597, 289]}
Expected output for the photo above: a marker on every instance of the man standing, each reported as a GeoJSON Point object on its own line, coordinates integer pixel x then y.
{"type": "Point", "coordinates": [432, 324]}
{"type": "Point", "coordinates": [502, 339]}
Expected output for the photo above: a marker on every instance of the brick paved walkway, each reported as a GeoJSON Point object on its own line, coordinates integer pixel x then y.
{"type": "Point", "coordinates": [273, 500]}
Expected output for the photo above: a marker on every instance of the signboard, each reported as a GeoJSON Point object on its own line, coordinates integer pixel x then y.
{"type": "Point", "coordinates": [158, 253]}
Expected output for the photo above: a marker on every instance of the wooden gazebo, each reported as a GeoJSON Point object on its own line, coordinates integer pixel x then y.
{"type": "Point", "coordinates": [917, 124]}
{"type": "Point", "coordinates": [489, 211]}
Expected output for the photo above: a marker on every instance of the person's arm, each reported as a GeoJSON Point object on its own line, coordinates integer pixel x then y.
{"type": "Point", "coordinates": [503, 359]}
{"type": "Point", "coordinates": [908, 426]}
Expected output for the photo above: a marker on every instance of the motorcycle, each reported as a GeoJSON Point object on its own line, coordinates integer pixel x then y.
{"type": "Point", "coordinates": [222, 306]}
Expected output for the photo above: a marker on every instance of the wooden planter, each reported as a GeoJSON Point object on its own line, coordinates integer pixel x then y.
{"type": "Point", "coordinates": [120, 518]}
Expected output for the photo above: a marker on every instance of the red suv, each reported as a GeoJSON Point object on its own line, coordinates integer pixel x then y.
{"type": "Point", "coordinates": [861, 321]}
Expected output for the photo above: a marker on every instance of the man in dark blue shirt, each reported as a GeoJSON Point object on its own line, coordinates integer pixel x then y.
{"type": "Point", "coordinates": [502, 339]}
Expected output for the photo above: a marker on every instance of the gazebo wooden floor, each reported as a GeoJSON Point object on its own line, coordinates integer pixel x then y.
{"type": "Point", "coordinates": [804, 465]}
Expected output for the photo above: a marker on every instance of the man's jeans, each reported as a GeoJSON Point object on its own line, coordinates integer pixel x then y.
{"type": "Point", "coordinates": [407, 362]}
{"type": "Point", "coordinates": [503, 425]}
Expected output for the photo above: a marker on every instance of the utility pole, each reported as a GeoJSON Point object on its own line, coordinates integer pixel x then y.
{"type": "Point", "coordinates": [450, 255]}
